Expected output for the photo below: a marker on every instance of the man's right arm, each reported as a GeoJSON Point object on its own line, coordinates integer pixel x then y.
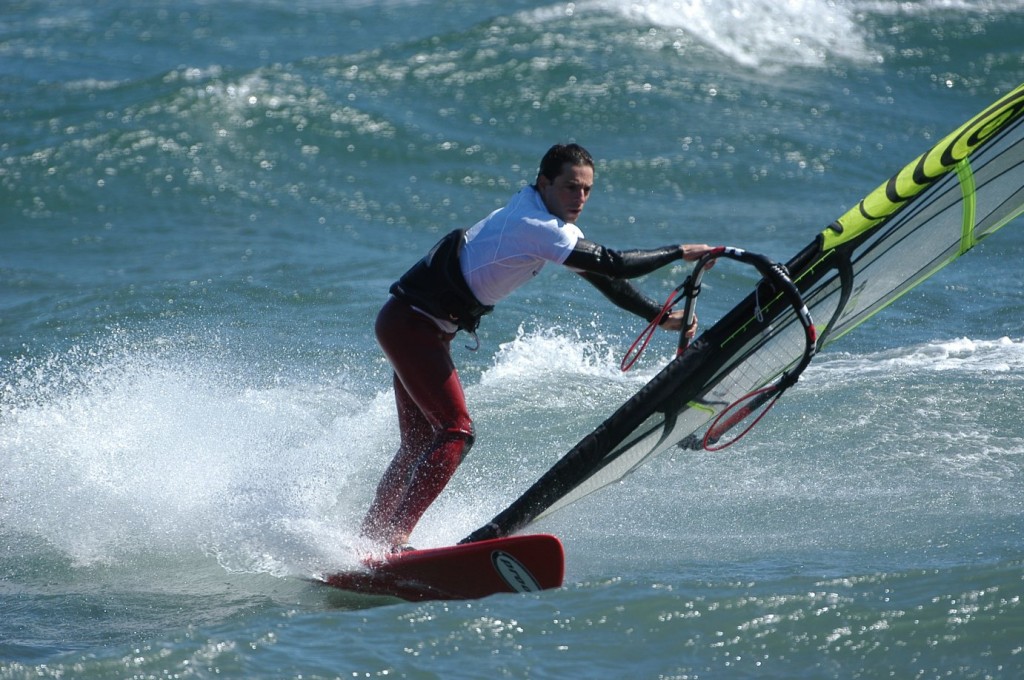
{"type": "Point", "coordinates": [607, 270]}
{"type": "Point", "coordinates": [594, 258]}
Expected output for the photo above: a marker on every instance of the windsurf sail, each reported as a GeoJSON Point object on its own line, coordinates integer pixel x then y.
{"type": "Point", "coordinates": [933, 210]}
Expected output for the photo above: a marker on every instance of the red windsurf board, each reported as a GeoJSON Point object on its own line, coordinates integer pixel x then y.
{"type": "Point", "coordinates": [513, 564]}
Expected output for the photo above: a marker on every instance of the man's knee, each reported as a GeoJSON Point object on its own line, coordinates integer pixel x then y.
{"type": "Point", "coordinates": [465, 432]}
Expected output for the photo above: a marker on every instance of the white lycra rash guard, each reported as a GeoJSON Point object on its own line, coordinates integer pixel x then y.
{"type": "Point", "coordinates": [511, 245]}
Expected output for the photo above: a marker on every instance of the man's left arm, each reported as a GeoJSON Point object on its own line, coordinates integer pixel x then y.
{"type": "Point", "coordinates": [624, 295]}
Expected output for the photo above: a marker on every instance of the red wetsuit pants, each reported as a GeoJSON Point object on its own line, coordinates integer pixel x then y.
{"type": "Point", "coordinates": [436, 430]}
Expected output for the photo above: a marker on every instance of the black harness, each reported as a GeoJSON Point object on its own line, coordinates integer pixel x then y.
{"type": "Point", "coordinates": [436, 285]}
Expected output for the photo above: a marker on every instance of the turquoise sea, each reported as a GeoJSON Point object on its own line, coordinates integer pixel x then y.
{"type": "Point", "coordinates": [203, 203]}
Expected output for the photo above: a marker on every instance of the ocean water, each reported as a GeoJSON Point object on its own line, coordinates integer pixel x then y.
{"type": "Point", "coordinates": [202, 205]}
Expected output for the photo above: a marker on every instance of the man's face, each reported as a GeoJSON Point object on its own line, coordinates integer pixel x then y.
{"type": "Point", "coordinates": [566, 195]}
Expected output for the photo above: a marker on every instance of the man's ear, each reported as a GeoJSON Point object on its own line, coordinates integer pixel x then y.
{"type": "Point", "coordinates": [543, 182]}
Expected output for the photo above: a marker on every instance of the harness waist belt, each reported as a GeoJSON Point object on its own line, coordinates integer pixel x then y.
{"type": "Point", "coordinates": [436, 285]}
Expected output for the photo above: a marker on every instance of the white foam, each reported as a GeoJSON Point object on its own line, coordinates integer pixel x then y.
{"type": "Point", "coordinates": [761, 34]}
{"type": "Point", "coordinates": [539, 352]}
{"type": "Point", "coordinates": [1002, 355]}
{"type": "Point", "coordinates": [931, 7]}
{"type": "Point", "coordinates": [181, 448]}
{"type": "Point", "coordinates": [115, 452]}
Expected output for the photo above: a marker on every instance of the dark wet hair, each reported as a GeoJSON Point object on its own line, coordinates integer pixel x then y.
{"type": "Point", "coordinates": [560, 154]}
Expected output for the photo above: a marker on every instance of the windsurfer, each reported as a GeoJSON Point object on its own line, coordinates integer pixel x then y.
{"type": "Point", "coordinates": [451, 288]}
